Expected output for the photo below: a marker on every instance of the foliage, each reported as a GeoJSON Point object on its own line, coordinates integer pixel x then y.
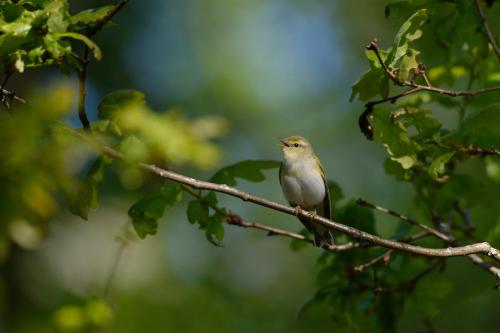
{"type": "Point", "coordinates": [50, 168]}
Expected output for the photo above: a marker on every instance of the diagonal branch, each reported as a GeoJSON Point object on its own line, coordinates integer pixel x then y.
{"type": "Point", "coordinates": [483, 248]}
{"type": "Point", "coordinates": [447, 238]}
{"type": "Point", "coordinates": [236, 220]}
{"type": "Point", "coordinates": [405, 218]}
{"type": "Point", "coordinates": [99, 25]}
{"type": "Point", "coordinates": [487, 29]}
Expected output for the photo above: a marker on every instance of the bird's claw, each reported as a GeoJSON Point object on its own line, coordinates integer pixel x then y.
{"type": "Point", "coordinates": [297, 210]}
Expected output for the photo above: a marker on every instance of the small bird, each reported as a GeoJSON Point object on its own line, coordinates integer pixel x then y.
{"type": "Point", "coordinates": [304, 185]}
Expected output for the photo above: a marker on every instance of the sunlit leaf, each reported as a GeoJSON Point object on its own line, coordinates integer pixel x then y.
{"type": "Point", "coordinates": [437, 167]}
{"type": "Point", "coordinates": [409, 31]}
{"type": "Point", "coordinates": [369, 85]}
{"type": "Point", "coordinates": [119, 100]}
{"type": "Point", "coordinates": [90, 44]}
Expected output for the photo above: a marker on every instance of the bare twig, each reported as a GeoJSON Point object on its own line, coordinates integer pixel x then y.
{"type": "Point", "coordinates": [386, 256]}
{"type": "Point", "coordinates": [449, 239]}
{"type": "Point", "coordinates": [11, 95]}
{"type": "Point", "coordinates": [99, 25]}
{"type": "Point", "coordinates": [467, 150]}
{"type": "Point", "coordinates": [487, 29]}
{"type": "Point", "coordinates": [405, 218]}
{"type": "Point", "coordinates": [84, 61]}
{"type": "Point", "coordinates": [405, 286]}
{"type": "Point", "coordinates": [236, 220]}
{"type": "Point", "coordinates": [82, 75]}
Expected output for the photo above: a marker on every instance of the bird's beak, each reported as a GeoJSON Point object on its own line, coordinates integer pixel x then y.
{"type": "Point", "coordinates": [282, 144]}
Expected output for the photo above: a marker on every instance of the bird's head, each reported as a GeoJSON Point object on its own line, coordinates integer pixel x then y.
{"type": "Point", "coordinates": [295, 147]}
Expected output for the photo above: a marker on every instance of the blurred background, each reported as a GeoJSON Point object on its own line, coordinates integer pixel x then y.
{"type": "Point", "coordinates": [271, 69]}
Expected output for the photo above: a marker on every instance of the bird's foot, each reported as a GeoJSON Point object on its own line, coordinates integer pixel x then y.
{"type": "Point", "coordinates": [297, 210]}
{"type": "Point", "coordinates": [314, 214]}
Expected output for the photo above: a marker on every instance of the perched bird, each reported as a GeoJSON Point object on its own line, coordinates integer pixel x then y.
{"type": "Point", "coordinates": [304, 185]}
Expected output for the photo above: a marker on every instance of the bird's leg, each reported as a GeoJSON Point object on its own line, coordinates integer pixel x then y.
{"type": "Point", "coordinates": [297, 209]}
{"type": "Point", "coordinates": [314, 213]}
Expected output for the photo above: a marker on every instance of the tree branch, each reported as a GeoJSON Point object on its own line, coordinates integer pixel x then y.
{"type": "Point", "coordinates": [484, 247]}
{"type": "Point", "coordinates": [405, 218]}
{"type": "Point", "coordinates": [364, 122]}
{"type": "Point", "coordinates": [7, 96]}
{"type": "Point", "coordinates": [99, 25]}
{"type": "Point", "coordinates": [84, 61]}
{"type": "Point", "coordinates": [82, 76]}
{"type": "Point", "coordinates": [447, 238]}
{"type": "Point", "coordinates": [487, 30]}
{"type": "Point", "coordinates": [236, 220]}
{"type": "Point", "coordinates": [391, 73]}
{"type": "Point", "coordinates": [386, 256]}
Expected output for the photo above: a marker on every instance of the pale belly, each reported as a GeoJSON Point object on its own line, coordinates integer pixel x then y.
{"type": "Point", "coordinates": [307, 191]}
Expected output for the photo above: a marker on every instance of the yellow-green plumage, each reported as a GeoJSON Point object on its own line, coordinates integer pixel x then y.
{"type": "Point", "coordinates": [304, 184]}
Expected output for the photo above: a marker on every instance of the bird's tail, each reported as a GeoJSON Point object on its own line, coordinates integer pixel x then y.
{"type": "Point", "coordinates": [323, 239]}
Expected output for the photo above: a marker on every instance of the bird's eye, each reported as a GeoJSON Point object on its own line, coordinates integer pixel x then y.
{"type": "Point", "coordinates": [296, 145]}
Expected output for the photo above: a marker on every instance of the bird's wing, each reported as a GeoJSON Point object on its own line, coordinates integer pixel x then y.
{"type": "Point", "coordinates": [280, 172]}
{"type": "Point", "coordinates": [326, 200]}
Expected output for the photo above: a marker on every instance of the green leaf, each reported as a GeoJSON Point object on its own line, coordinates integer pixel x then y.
{"type": "Point", "coordinates": [56, 47]}
{"type": "Point", "coordinates": [437, 167]}
{"type": "Point", "coordinates": [58, 16]}
{"type": "Point", "coordinates": [91, 45]}
{"type": "Point", "coordinates": [406, 161]}
{"type": "Point", "coordinates": [214, 230]}
{"type": "Point", "coordinates": [119, 100]}
{"type": "Point", "coordinates": [395, 169]}
{"type": "Point", "coordinates": [369, 85]}
{"type": "Point", "coordinates": [427, 126]}
{"type": "Point", "coordinates": [146, 212]}
{"type": "Point", "coordinates": [408, 64]}
{"type": "Point", "coordinates": [409, 31]}
{"type": "Point", "coordinates": [89, 18]}
{"type": "Point", "coordinates": [480, 128]}
{"type": "Point", "coordinates": [250, 170]}
{"type": "Point", "coordinates": [87, 196]}
{"type": "Point", "coordinates": [197, 212]}
{"type": "Point", "coordinates": [394, 135]}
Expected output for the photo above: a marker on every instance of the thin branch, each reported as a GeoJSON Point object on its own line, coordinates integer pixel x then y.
{"type": "Point", "coordinates": [391, 73]}
{"type": "Point", "coordinates": [10, 95]}
{"type": "Point", "coordinates": [449, 239]}
{"type": "Point", "coordinates": [99, 25]}
{"type": "Point", "coordinates": [405, 218]}
{"type": "Point", "coordinates": [467, 150]}
{"type": "Point", "coordinates": [364, 122]}
{"type": "Point", "coordinates": [84, 61]}
{"type": "Point", "coordinates": [236, 220]}
{"type": "Point", "coordinates": [405, 286]}
{"type": "Point", "coordinates": [386, 256]}
{"type": "Point", "coordinates": [487, 29]}
{"type": "Point", "coordinates": [484, 247]}
{"type": "Point", "coordinates": [82, 76]}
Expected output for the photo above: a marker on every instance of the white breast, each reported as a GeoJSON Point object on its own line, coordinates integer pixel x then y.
{"type": "Point", "coordinates": [301, 185]}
